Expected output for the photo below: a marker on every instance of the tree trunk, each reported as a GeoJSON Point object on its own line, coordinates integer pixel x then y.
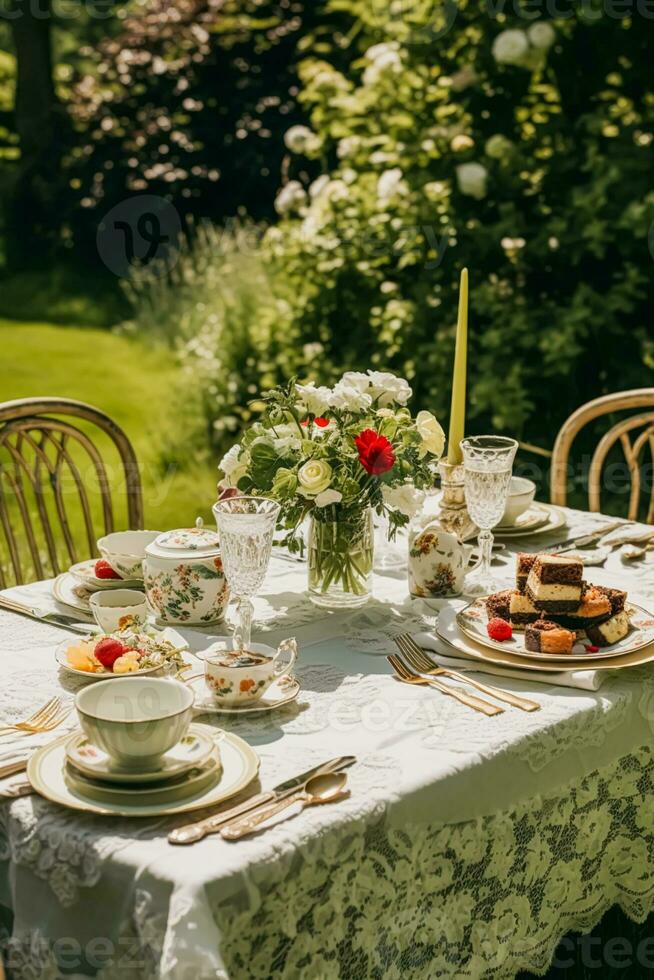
{"type": "Point", "coordinates": [31, 215]}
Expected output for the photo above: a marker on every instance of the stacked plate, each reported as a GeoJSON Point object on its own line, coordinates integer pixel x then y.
{"type": "Point", "coordinates": [206, 767]}
{"type": "Point", "coordinates": [537, 519]}
{"type": "Point", "coordinates": [74, 587]}
{"type": "Point", "coordinates": [465, 632]}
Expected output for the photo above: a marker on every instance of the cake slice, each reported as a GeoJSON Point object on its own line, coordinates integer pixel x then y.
{"type": "Point", "coordinates": [544, 636]}
{"type": "Point", "coordinates": [610, 631]}
{"type": "Point", "coordinates": [554, 583]}
{"type": "Point", "coordinates": [595, 606]}
{"type": "Point", "coordinates": [497, 605]}
{"type": "Point", "coordinates": [523, 567]}
{"type": "Point", "coordinates": [521, 610]}
{"type": "Point", "coordinates": [616, 597]}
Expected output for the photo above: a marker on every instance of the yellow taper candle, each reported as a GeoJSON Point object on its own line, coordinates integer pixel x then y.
{"type": "Point", "coordinates": [458, 407]}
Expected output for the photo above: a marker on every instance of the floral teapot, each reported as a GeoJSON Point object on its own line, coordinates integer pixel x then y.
{"type": "Point", "coordinates": [184, 577]}
{"type": "Point", "coordinates": [438, 563]}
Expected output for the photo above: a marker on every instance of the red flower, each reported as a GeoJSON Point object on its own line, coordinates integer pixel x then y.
{"type": "Point", "coordinates": [376, 453]}
{"type": "Point", "coordinates": [321, 422]}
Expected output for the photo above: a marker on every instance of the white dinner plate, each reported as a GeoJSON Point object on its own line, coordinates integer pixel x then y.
{"type": "Point", "coordinates": [191, 751]}
{"type": "Point", "coordinates": [534, 517]}
{"type": "Point", "coordinates": [70, 592]}
{"type": "Point", "coordinates": [473, 619]}
{"type": "Point", "coordinates": [555, 519]}
{"type": "Point", "coordinates": [105, 675]}
{"type": "Point", "coordinates": [84, 573]}
{"type": "Point", "coordinates": [282, 691]}
{"type": "Point", "coordinates": [447, 629]}
{"type": "Point", "coordinates": [47, 768]}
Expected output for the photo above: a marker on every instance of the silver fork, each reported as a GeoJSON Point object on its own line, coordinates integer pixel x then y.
{"type": "Point", "coordinates": [410, 676]}
{"type": "Point", "coordinates": [417, 658]}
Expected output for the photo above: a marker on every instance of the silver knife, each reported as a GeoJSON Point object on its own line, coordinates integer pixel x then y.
{"type": "Point", "coordinates": [581, 542]}
{"type": "Point", "coordinates": [51, 618]}
{"type": "Point", "coordinates": [192, 832]}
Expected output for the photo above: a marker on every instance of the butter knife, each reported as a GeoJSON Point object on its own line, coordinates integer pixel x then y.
{"type": "Point", "coordinates": [51, 618]}
{"type": "Point", "coordinates": [192, 832]}
{"type": "Point", "coordinates": [582, 541]}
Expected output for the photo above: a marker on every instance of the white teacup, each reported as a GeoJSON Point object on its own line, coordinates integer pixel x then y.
{"type": "Point", "coordinates": [520, 497]}
{"type": "Point", "coordinates": [136, 720]}
{"type": "Point", "coordinates": [240, 677]}
{"type": "Point", "coordinates": [119, 609]}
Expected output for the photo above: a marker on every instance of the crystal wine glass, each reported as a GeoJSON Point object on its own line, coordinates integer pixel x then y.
{"type": "Point", "coordinates": [246, 526]}
{"type": "Point", "coordinates": [487, 468]}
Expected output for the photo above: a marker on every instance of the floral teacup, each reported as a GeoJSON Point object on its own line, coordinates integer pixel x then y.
{"type": "Point", "coordinates": [438, 563]}
{"type": "Point", "coordinates": [236, 677]}
{"type": "Point", "coordinates": [119, 609]}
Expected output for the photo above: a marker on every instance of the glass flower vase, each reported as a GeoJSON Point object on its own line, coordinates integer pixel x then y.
{"type": "Point", "coordinates": [340, 558]}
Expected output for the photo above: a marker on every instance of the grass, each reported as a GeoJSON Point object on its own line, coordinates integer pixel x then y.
{"type": "Point", "coordinates": [135, 385]}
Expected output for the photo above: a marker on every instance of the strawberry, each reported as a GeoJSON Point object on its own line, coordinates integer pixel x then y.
{"type": "Point", "coordinates": [104, 570]}
{"type": "Point", "coordinates": [499, 629]}
{"type": "Point", "coordinates": [591, 648]}
{"type": "Point", "coordinates": [108, 651]}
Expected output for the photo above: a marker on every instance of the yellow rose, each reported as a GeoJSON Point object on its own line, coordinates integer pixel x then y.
{"type": "Point", "coordinates": [314, 477]}
{"type": "Point", "coordinates": [432, 435]}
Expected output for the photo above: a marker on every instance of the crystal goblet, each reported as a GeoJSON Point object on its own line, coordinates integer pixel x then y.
{"type": "Point", "coordinates": [487, 468]}
{"type": "Point", "coordinates": [246, 526]}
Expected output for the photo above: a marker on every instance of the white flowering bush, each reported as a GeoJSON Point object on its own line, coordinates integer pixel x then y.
{"type": "Point", "coordinates": [477, 142]}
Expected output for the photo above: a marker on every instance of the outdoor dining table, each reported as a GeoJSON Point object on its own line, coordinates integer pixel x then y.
{"type": "Point", "coordinates": [467, 846]}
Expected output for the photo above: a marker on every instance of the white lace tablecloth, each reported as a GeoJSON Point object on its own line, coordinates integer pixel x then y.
{"type": "Point", "coordinates": [466, 848]}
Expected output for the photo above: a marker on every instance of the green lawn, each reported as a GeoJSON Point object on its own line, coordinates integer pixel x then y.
{"type": "Point", "coordinates": [133, 384]}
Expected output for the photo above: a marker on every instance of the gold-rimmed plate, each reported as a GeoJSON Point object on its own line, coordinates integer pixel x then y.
{"type": "Point", "coordinates": [538, 519]}
{"type": "Point", "coordinates": [46, 771]}
{"type": "Point", "coordinates": [67, 590]}
{"type": "Point", "coordinates": [190, 752]}
{"type": "Point", "coordinates": [447, 629]}
{"type": "Point", "coordinates": [190, 783]}
{"type": "Point", "coordinates": [472, 621]}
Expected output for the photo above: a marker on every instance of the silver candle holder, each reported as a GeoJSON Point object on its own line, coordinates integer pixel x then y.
{"type": "Point", "coordinates": [452, 512]}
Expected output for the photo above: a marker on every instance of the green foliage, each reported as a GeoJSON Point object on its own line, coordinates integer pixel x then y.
{"type": "Point", "coordinates": [527, 161]}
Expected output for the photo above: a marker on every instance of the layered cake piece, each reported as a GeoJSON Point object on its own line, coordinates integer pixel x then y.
{"type": "Point", "coordinates": [595, 606]}
{"type": "Point", "coordinates": [522, 610]}
{"type": "Point", "coordinates": [497, 605]}
{"type": "Point", "coordinates": [523, 567]}
{"type": "Point", "coordinates": [544, 636]}
{"type": "Point", "coordinates": [616, 597]}
{"type": "Point", "coordinates": [610, 631]}
{"type": "Point", "coordinates": [554, 583]}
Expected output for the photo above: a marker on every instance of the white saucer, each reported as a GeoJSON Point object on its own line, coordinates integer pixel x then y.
{"type": "Point", "coordinates": [84, 573]}
{"type": "Point", "coordinates": [190, 751]}
{"type": "Point", "coordinates": [538, 519]}
{"type": "Point", "coordinates": [47, 769]}
{"type": "Point", "coordinates": [170, 791]}
{"type": "Point", "coordinates": [282, 691]}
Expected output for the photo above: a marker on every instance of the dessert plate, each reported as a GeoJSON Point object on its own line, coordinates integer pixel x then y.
{"type": "Point", "coordinates": [473, 618]}
{"type": "Point", "coordinates": [190, 751]}
{"type": "Point", "coordinates": [550, 518]}
{"type": "Point", "coordinates": [70, 592]}
{"type": "Point", "coordinates": [173, 790]}
{"type": "Point", "coordinates": [282, 691]}
{"type": "Point", "coordinates": [448, 630]}
{"type": "Point", "coordinates": [104, 675]}
{"type": "Point", "coordinates": [84, 573]}
{"type": "Point", "coordinates": [47, 772]}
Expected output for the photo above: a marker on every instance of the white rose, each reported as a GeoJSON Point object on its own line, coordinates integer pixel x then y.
{"type": "Point", "coordinates": [314, 477]}
{"type": "Point", "coordinates": [328, 497]}
{"type": "Point", "coordinates": [290, 198]}
{"type": "Point", "coordinates": [471, 178]}
{"type": "Point", "coordinates": [314, 400]}
{"type": "Point", "coordinates": [231, 460]}
{"type": "Point", "coordinates": [510, 47]}
{"type": "Point", "coordinates": [541, 35]}
{"type": "Point", "coordinates": [432, 435]}
{"type": "Point", "coordinates": [348, 398]}
{"type": "Point", "coordinates": [301, 139]}
{"type": "Point", "coordinates": [391, 184]}
{"type": "Point", "coordinates": [406, 498]}
{"type": "Point", "coordinates": [386, 388]}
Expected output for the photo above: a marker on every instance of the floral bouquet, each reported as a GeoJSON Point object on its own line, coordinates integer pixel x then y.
{"type": "Point", "coordinates": [335, 455]}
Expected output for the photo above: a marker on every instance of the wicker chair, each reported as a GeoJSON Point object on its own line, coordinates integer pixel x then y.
{"type": "Point", "coordinates": [634, 434]}
{"type": "Point", "coordinates": [55, 486]}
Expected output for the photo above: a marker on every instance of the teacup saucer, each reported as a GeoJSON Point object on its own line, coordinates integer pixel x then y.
{"type": "Point", "coordinates": [190, 751]}
{"type": "Point", "coordinates": [282, 691]}
{"type": "Point", "coordinates": [189, 783]}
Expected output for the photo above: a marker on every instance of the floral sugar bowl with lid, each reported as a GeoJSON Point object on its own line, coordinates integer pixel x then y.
{"type": "Point", "coordinates": [438, 563]}
{"type": "Point", "coordinates": [184, 577]}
